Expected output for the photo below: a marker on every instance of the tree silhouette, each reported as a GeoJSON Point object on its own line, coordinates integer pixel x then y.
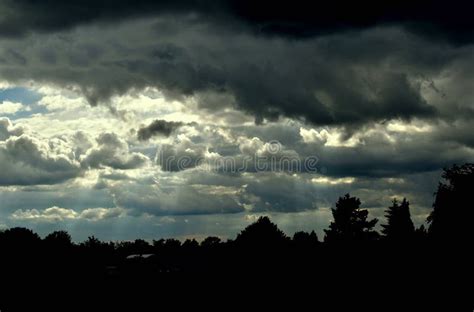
{"type": "Point", "coordinates": [421, 234]}
{"type": "Point", "coordinates": [92, 243]}
{"type": "Point", "coordinates": [190, 244]}
{"type": "Point", "coordinates": [211, 242]}
{"type": "Point", "coordinates": [98, 251]}
{"type": "Point", "coordinates": [262, 233]}
{"type": "Point", "coordinates": [305, 240]}
{"type": "Point", "coordinates": [350, 222]}
{"type": "Point", "coordinates": [452, 215]}
{"type": "Point", "coordinates": [20, 240]}
{"type": "Point", "coordinates": [58, 239]}
{"type": "Point", "coordinates": [138, 246]}
{"type": "Point", "coordinates": [399, 225]}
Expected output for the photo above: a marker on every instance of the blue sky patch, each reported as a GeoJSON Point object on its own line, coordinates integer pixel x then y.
{"type": "Point", "coordinates": [24, 96]}
{"type": "Point", "coordinates": [20, 95]}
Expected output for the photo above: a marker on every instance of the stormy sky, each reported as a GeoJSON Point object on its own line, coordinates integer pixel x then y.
{"type": "Point", "coordinates": [117, 118]}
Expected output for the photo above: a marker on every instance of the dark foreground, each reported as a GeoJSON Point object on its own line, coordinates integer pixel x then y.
{"type": "Point", "coordinates": [370, 277]}
{"type": "Point", "coordinates": [353, 268]}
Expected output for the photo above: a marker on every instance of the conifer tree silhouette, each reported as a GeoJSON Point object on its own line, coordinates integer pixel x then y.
{"type": "Point", "coordinates": [350, 222]}
{"type": "Point", "coordinates": [452, 215]}
{"type": "Point", "coordinates": [399, 225]}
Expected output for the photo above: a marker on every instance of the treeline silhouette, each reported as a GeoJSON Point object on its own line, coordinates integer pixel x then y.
{"type": "Point", "coordinates": [351, 253]}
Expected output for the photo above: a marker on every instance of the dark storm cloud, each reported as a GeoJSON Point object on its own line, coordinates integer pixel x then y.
{"type": "Point", "coordinates": [389, 161]}
{"type": "Point", "coordinates": [299, 18]}
{"type": "Point", "coordinates": [366, 67]}
{"type": "Point", "coordinates": [158, 127]}
{"type": "Point", "coordinates": [20, 17]}
{"type": "Point", "coordinates": [341, 79]}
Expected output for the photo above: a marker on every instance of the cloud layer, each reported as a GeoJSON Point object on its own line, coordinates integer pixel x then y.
{"type": "Point", "coordinates": [299, 19]}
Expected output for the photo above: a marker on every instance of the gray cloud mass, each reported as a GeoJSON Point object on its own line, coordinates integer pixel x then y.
{"type": "Point", "coordinates": [157, 127]}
